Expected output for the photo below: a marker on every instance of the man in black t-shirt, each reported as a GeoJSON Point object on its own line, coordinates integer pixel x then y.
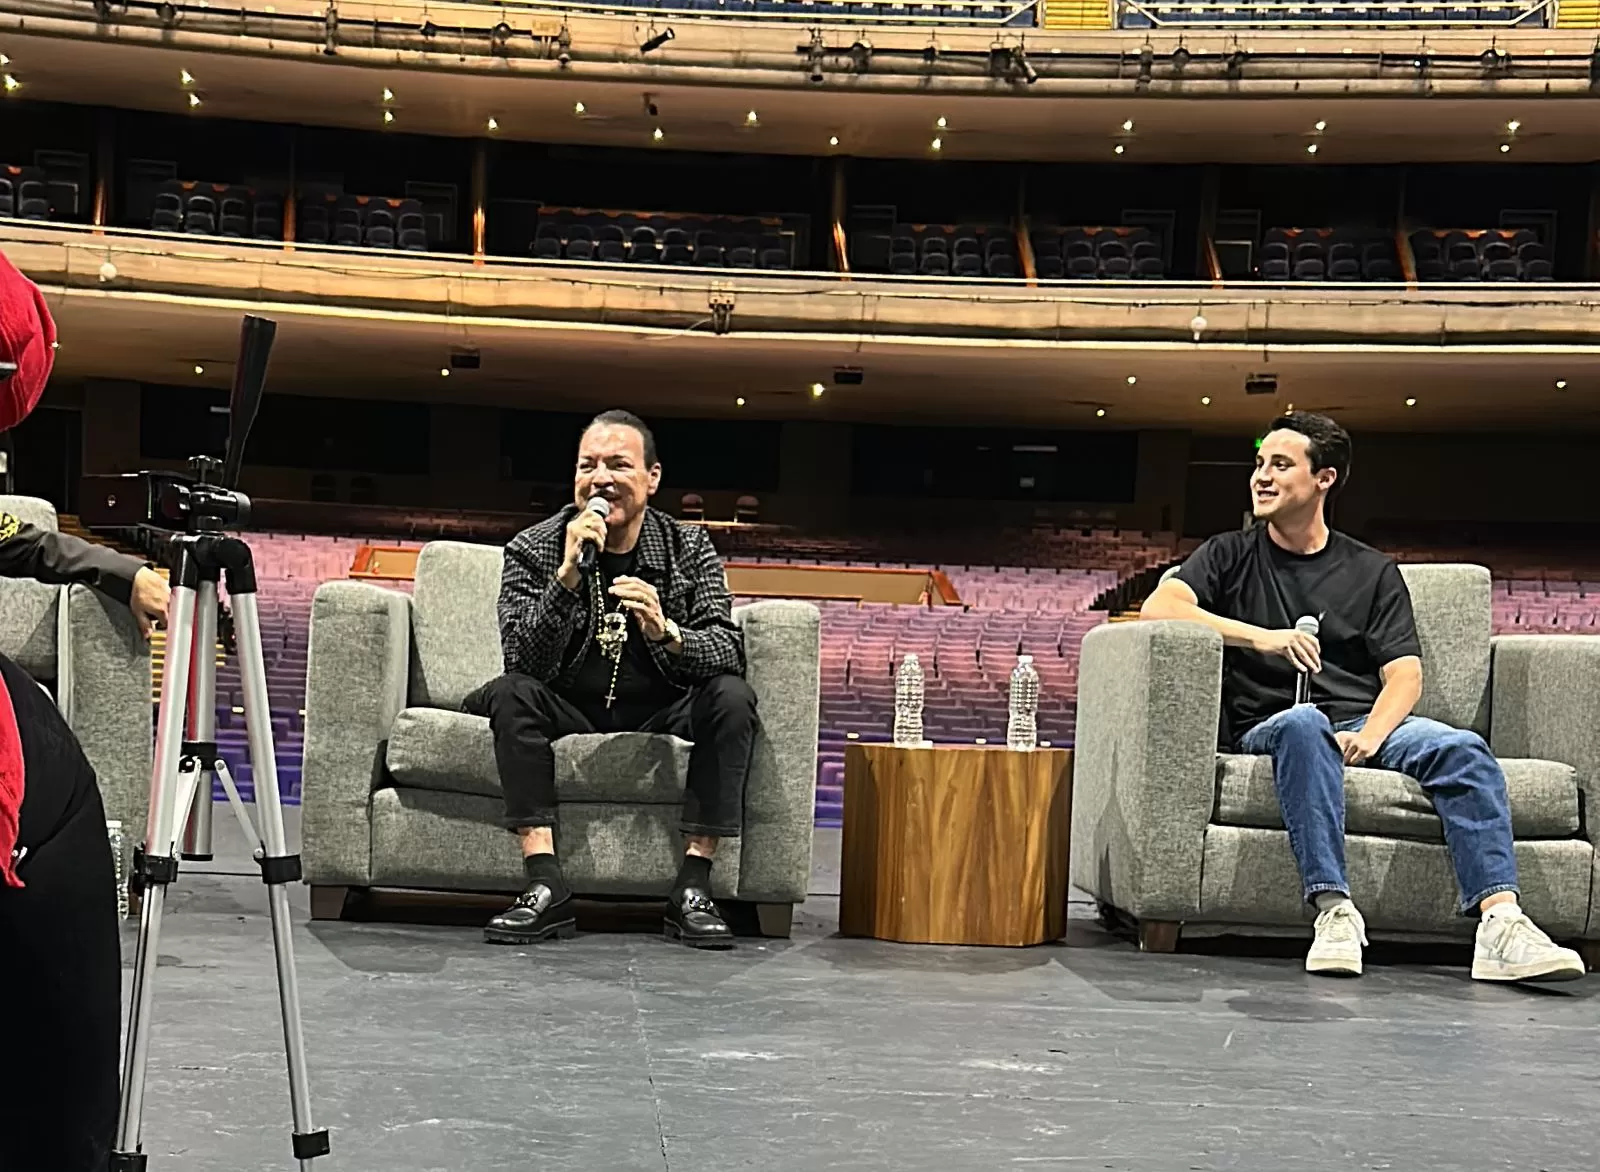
{"type": "Point", "coordinates": [1364, 671]}
{"type": "Point", "coordinates": [646, 642]}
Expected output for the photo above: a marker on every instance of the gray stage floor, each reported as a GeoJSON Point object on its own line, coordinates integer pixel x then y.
{"type": "Point", "coordinates": [618, 1052]}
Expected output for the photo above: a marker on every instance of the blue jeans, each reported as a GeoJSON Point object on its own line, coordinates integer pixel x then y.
{"type": "Point", "coordinates": [1453, 765]}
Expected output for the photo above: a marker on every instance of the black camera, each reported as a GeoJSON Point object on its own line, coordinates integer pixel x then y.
{"type": "Point", "coordinates": [205, 500]}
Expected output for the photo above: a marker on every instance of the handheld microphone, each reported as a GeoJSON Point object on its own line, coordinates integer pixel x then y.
{"type": "Point", "coordinates": [1306, 624]}
{"type": "Point", "coordinates": [589, 555]}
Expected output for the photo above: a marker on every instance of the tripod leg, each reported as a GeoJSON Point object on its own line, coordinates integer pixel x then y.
{"type": "Point", "coordinates": [203, 714]}
{"type": "Point", "coordinates": [156, 868]}
{"type": "Point", "coordinates": [278, 866]}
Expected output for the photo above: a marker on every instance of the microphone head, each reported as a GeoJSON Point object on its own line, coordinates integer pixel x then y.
{"type": "Point", "coordinates": [600, 507]}
{"type": "Point", "coordinates": [1307, 624]}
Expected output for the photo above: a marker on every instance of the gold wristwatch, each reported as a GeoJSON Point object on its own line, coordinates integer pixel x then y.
{"type": "Point", "coordinates": [674, 634]}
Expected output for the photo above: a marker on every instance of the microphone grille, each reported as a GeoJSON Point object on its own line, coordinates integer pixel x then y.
{"type": "Point", "coordinates": [599, 506]}
{"type": "Point", "coordinates": [1307, 624]}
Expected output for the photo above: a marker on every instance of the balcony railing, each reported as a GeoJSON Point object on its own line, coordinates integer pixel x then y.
{"type": "Point", "coordinates": [1270, 14]}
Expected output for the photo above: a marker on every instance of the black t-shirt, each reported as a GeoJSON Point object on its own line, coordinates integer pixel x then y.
{"type": "Point", "coordinates": [640, 683]}
{"type": "Point", "coordinates": [1356, 594]}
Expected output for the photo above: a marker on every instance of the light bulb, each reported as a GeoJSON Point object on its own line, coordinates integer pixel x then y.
{"type": "Point", "coordinates": [937, 144]}
{"type": "Point", "coordinates": [657, 135]}
{"type": "Point", "coordinates": [1411, 402]}
{"type": "Point", "coordinates": [1100, 413]}
{"type": "Point", "coordinates": [388, 94]}
{"type": "Point", "coordinates": [739, 402]}
{"type": "Point", "coordinates": [1561, 384]}
{"type": "Point", "coordinates": [1132, 378]}
{"type": "Point", "coordinates": [1197, 325]}
{"type": "Point", "coordinates": [1505, 147]}
{"type": "Point", "coordinates": [751, 119]}
{"type": "Point", "coordinates": [1118, 149]}
{"type": "Point", "coordinates": [1311, 148]}
{"type": "Point", "coordinates": [198, 369]}
{"type": "Point", "coordinates": [1320, 127]}
{"type": "Point", "coordinates": [493, 125]}
{"type": "Point", "coordinates": [185, 77]}
{"type": "Point", "coordinates": [11, 83]}
{"type": "Point", "coordinates": [444, 372]}
{"type": "Point", "coordinates": [1205, 400]}
{"type": "Point", "coordinates": [833, 140]}
{"type": "Point", "coordinates": [388, 117]}
{"type": "Point", "coordinates": [194, 100]}
{"type": "Point", "coordinates": [579, 109]}
{"type": "Point", "coordinates": [1513, 126]}
{"type": "Point", "coordinates": [941, 124]}
{"type": "Point", "coordinates": [816, 390]}
{"type": "Point", "coordinates": [1128, 125]}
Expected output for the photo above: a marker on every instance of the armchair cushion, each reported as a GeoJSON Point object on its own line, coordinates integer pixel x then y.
{"type": "Point", "coordinates": [435, 749]}
{"type": "Point", "coordinates": [1544, 799]}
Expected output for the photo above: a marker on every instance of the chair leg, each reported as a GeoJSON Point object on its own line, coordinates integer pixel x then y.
{"type": "Point", "coordinates": [775, 919]}
{"type": "Point", "coordinates": [329, 903]}
{"type": "Point", "coordinates": [1159, 935]}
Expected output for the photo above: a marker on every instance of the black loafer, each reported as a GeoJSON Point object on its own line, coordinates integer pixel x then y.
{"type": "Point", "coordinates": [693, 919]}
{"type": "Point", "coordinates": [535, 916]}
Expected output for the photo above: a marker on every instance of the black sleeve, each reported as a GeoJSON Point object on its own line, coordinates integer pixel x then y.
{"type": "Point", "coordinates": [59, 559]}
{"type": "Point", "coordinates": [1205, 570]}
{"type": "Point", "coordinates": [1391, 629]}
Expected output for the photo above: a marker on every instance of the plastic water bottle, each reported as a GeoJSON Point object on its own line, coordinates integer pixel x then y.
{"type": "Point", "coordinates": [114, 833]}
{"type": "Point", "coordinates": [908, 703]}
{"type": "Point", "coordinates": [1022, 730]}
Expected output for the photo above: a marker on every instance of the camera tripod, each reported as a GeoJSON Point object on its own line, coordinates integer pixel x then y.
{"type": "Point", "coordinates": [197, 561]}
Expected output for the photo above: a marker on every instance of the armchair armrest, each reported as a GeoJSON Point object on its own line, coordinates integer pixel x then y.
{"type": "Point", "coordinates": [105, 678]}
{"type": "Point", "coordinates": [1144, 764]}
{"type": "Point", "coordinates": [1545, 702]}
{"type": "Point", "coordinates": [783, 663]}
{"type": "Point", "coordinates": [357, 671]}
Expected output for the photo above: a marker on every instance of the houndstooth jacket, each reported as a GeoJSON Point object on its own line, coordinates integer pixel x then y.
{"type": "Point", "coordinates": [538, 615]}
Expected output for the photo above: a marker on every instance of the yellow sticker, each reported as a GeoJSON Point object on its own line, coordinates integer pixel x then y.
{"type": "Point", "coordinates": [9, 526]}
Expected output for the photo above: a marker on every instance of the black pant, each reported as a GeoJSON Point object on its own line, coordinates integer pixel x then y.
{"type": "Point", "coordinates": [719, 716]}
{"type": "Point", "coordinates": [60, 966]}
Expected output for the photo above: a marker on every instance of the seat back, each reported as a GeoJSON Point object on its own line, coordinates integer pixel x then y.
{"type": "Point", "coordinates": [28, 608]}
{"type": "Point", "coordinates": [455, 632]}
{"type": "Point", "coordinates": [1454, 615]}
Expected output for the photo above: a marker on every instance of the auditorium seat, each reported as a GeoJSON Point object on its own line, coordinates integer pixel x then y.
{"type": "Point", "coordinates": [361, 221]}
{"type": "Point", "coordinates": [1327, 254]}
{"type": "Point", "coordinates": [24, 193]}
{"type": "Point", "coordinates": [1481, 254]}
{"type": "Point", "coordinates": [613, 237]}
{"type": "Point", "coordinates": [1090, 253]}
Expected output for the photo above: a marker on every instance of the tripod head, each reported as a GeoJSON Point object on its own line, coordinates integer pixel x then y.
{"type": "Point", "coordinates": [207, 500]}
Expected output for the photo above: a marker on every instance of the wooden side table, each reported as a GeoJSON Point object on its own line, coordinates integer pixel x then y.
{"type": "Point", "coordinates": [955, 844]}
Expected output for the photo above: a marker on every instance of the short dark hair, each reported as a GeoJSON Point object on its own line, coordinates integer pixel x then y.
{"type": "Point", "coordinates": [1327, 444]}
{"type": "Point", "coordinates": [617, 417]}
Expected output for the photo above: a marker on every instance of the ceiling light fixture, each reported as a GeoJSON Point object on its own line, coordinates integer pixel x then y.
{"type": "Point", "coordinates": [579, 109]}
{"type": "Point", "coordinates": [444, 372]}
{"type": "Point", "coordinates": [750, 119]}
{"type": "Point", "coordinates": [1320, 126]}
{"type": "Point", "coordinates": [739, 402]}
{"type": "Point", "coordinates": [493, 125]}
{"type": "Point", "coordinates": [388, 94]}
{"type": "Point", "coordinates": [1100, 413]}
{"type": "Point", "coordinates": [1128, 125]}
{"type": "Point", "coordinates": [1561, 384]}
{"type": "Point", "coordinates": [1118, 149]}
{"type": "Point", "coordinates": [1205, 400]}
{"type": "Point", "coordinates": [194, 99]}
{"type": "Point", "coordinates": [1411, 402]}
{"type": "Point", "coordinates": [11, 83]}
{"type": "Point", "coordinates": [941, 123]}
{"type": "Point", "coordinates": [1132, 378]}
{"type": "Point", "coordinates": [1513, 126]}
{"type": "Point", "coordinates": [936, 145]}
{"type": "Point", "coordinates": [4, 60]}
{"type": "Point", "coordinates": [1311, 148]}
{"type": "Point", "coordinates": [656, 135]}
{"type": "Point", "coordinates": [816, 390]}
{"type": "Point", "coordinates": [185, 77]}
{"type": "Point", "coordinates": [198, 369]}
{"type": "Point", "coordinates": [388, 117]}
{"type": "Point", "coordinates": [1505, 148]}
{"type": "Point", "coordinates": [833, 140]}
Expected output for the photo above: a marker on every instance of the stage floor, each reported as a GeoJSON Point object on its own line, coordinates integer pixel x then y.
{"type": "Point", "coordinates": [618, 1052]}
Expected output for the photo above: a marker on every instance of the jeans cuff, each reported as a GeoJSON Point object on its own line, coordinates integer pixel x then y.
{"type": "Point", "coordinates": [538, 820]}
{"type": "Point", "coordinates": [700, 829]}
{"type": "Point", "coordinates": [1315, 889]}
{"type": "Point", "coordinates": [1470, 906]}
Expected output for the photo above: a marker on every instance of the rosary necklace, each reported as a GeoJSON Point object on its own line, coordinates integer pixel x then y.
{"type": "Point", "coordinates": [611, 632]}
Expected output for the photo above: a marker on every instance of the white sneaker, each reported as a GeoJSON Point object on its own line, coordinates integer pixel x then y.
{"type": "Point", "coordinates": [1336, 951]}
{"type": "Point", "coordinates": [1511, 947]}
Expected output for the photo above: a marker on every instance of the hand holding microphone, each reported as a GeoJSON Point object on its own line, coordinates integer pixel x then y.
{"type": "Point", "coordinates": [1299, 646]}
{"type": "Point", "coordinates": [586, 536]}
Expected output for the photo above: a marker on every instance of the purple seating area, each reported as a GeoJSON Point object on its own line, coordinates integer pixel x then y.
{"type": "Point", "coordinates": [1533, 607]}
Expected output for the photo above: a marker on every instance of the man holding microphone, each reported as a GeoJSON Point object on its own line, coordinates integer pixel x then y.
{"type": "Point", "coordinates": [615, 617]}
{"type": "Point", "coordinates": [1308, 614]}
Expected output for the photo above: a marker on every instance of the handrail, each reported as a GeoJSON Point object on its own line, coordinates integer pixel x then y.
{"type": "Point", "coordinates": [1308, 14]}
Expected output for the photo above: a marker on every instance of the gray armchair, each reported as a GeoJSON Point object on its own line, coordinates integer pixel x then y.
{"type": "Point", "coordinates": [1174, 835]}
{"type": "Point", "coordinates": [88, 651]}
{"type": "Point", "coordinates": [399, 787]}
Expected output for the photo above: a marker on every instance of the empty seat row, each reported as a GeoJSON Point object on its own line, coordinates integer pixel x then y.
{"type": "Point", "coordinates": [24, 194]}
{"type": "Point", "coordinates": [674, 246]}
{"type": "Point", "coordinates": [215, 209]}
{"type": "Point", "coordinates": [1327, 254]}
{"type": "Point", "coordinates": [937, 250]}
{"type": "Point", "coordinates": [1490, 255]}
{"type": "Point", "coordinates": [1088, 254]}
{"type": "Point", "coordinates": [367, 221]}
{"type": "Point", "coordinates": [1332, 16]}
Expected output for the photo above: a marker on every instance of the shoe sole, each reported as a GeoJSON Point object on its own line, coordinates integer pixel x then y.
{"type": "Point", "coordinates": [1334, 968]}
{"type": "Point", "coordinates": [565, 930]}
{"type": "Point", "coordinates": [675, 934]}
{"type": "Point", "coordinates": [1548, 971]}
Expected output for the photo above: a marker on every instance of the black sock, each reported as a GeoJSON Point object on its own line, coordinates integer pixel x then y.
{"type": "Point", "coordinates": [543, 868]}
{"type": "Point", "coordinates": [695, 872]}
